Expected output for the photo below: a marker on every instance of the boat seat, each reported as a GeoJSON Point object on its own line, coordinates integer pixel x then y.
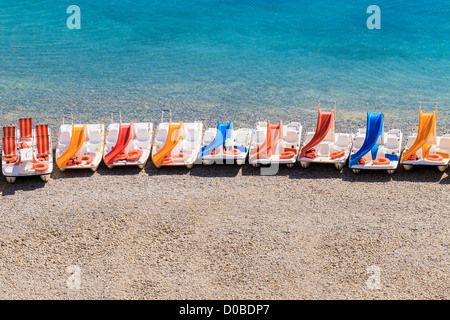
{"type": "Point", "coordinates": [142, 134]}
{"type": "Point", "coordinates": [26, 129]}
{"type": "Point", "coordinates": [191, 135]}
{"type": "Point", "coordinates": [209, 136]}
{"type": "Point", "coordinates": [444, 143]}
{"type": "Point", "coordinates": [323, 149]}
{"type": "Point", "coordinates": [9, 146]}
{"type": "Point", "coordinates": [308, 138]}
{"type": "Point", "coordinates": [291, 136]}
{"type": "Point", "coordinates": [343, 140]}
{"type": "Point", "coordinates": [134, 144]}
{"type": "Point", "coordinates": [392, 143]}
{"type": "Point", "coordinates": [9, 132]}
{"type": "Point", "coordinates": [95, 137]}
{"type": "Point", "coordinates": [43, 144]}
{"type": "Point", "coordinates": [65, 138]}
{"type": "Point", "coordinates": [396, 132]}
{"type": "Point", "coordinates": [260, 136]}
{"type": "Point", "coordinates": [112, 136]}
{"type": "Point", "coordinates": [162, 134]}
{"type": "Point", "coordinates": [410, 141]}
{"type": "Point", "coordinates": [241, 138]}
{"type": "Point", "coordinates": [359, 141]}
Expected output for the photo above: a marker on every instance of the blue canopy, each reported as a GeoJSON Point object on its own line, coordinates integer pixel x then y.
{"type": "Point", "coordinates": [373, 132]}
{"type": "Point", "coordinates": [223, 133]}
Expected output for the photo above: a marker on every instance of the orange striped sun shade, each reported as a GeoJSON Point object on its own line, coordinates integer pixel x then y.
{"type": "Point", "coordinates": [25, 128]}
{"type": "Point", "coordinates": [43, 145]}
{"type": "Point", "coordinates": [9, 132]}
{"type": "Point", "coordinates": [42, 130]}
{"type": "Point", "coordinates": [9, 146]}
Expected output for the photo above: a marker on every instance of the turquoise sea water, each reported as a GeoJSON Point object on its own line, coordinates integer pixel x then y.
{"type": "Point", "coordinates": [209, 59]}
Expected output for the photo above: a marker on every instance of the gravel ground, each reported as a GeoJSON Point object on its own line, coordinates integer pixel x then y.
{"type": "Point", "coordinates": [226, 232]}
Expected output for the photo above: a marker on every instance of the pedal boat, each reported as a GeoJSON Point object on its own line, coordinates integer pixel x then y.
{"type": "Point", "coordinates": [275, 143]}
{"type": "Point", "coordinates": [324, 145]}
{"type": "Point", "coordinates": [177, 143]}
{"type": "Point", "coordinates": [80, 146]}
{"type": "Point", "coordinates": [374, 149]}
{"type": "Point", "coordinates": [128, 144]}
{"type": "Point", "coordinates": [225, 144]}
{"type": "Point", "coordinates": [27, 151]}
{"type": "Point", "coordinates": [425, 148]}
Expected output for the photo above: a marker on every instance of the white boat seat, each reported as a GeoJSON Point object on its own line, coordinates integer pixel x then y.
{"type": "Point", "coordinates": [324, 149]}
{"type": "Point", "coordinates": [191, 135]}
{"type": "Point", "coordinates": [241, 138]}
{"type": "Point", "coordinates": [410, 141]}
{"type": "Point", "coordinates": [112, 135]}
{"type": "Point", "coordinates": [359, 141]}
{"type": "Point", "coordinates": [95, 137]}
{"type": "Point", "coordinates": [394, 132]}
{"type": "Point", "coordinates": [209, 136]}
{"type": "Point", "coordinates": [343, 140]}
{"type": "Point", "coordinates": [65, 138]}
{"type": "Point", "coordinates": [308, 138]}
{"type": "Point", "coordinates": [392, 143]}
{"type": "Point", "coordinates": [260, 136]}
{"type": "Point", "coordinates": [291, 136]}
{"type": "Point", "coordinates": [142, 134]}
{"type": "Point", "coordinates": [134, 144]}
{"type": "Point", "coordinates": [162, 135]}
{"type": "Point", "coordinates": [444, 143]}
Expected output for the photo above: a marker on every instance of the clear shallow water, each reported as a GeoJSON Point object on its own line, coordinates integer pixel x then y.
{"type": "Point", "coordinates": [210, 59]}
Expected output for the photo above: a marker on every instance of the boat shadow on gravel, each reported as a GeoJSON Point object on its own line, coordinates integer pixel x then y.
{"type": "Point", "coordinates": [416, 175]}
{"type": "Point", "coordinates": [22, 184]}
{"type": "Point", "coordinates": [445, 180]}
{"type": "Point", "coordinates": [315, 171]}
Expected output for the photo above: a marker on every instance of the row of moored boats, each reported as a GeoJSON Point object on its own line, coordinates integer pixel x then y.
{"type": "Point", "coordinates": [27, 151]}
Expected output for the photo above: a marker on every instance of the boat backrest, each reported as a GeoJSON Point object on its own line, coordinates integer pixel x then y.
{"type": "Point", "coordinates": [42, 130]}
{"type": "Point", "coordinates": [241, 138]}
{"type": "Point", "coordinates": [392, 143]}
{"type": "Point", "coordinates": [112, 135]}
{"type": "Point", "coordinates": [308, 138]}
{"type": "Point", "coordinates": [359, 141]}
{"type": "Point", "coordinates": [262, 124]}
{"type": "Point", "coordinates": [444, 143]}
{"type": "Point", "coordinates": [43, 144]}
{"type": "Point", "coordinates": [291, 135]}
{"type": "Point", "coordinates": [9, 146]}
{"type": "Point", "coordinates": [394, 132]}
{"type": "Point", "coordinates": [162, 134]}
{"type": "Point", "coordinates": [260, 136]}
{"type": "Point", "coordinates": [209, 136]}
{"type": "Point", "coordinates": [343, 140]}
{"type": "Point", "coordinates": [142, 133]}
{"type": "Point", "coordinates": [26, 128]}
{"type": "Point", "coordinates": [65, 137]}
{"type": "Point", "coordinates": [42, 139]}
{"type": "Point", "coordinates": [9, 132]}
{"type": "Point", "coordinates": [191, 135]}
{"type": "Point", "coordinates": [94, 136]}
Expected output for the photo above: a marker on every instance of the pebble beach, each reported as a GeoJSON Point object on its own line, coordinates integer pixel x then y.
{"type": "Point", "coordinates": [226, 232]}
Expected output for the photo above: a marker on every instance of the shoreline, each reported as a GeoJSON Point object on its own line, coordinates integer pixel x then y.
{"type": "Point", "coordinates": [346, 122]}
{"type": "Point", "coordinates": [225, 233]}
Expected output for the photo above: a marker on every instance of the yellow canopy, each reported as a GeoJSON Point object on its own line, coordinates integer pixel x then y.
{"type": "Point", "coordinates": [427, 128]}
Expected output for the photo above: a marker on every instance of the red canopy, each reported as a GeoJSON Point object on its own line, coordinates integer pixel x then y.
{"type": "Point", "coordinates": [324, 123]}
